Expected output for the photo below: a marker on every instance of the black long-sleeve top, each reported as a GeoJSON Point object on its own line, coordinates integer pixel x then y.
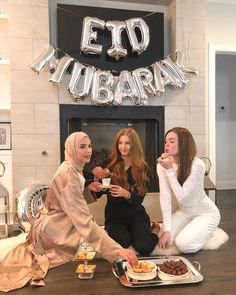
{"type": "Point", "coordinates": [120, 209]}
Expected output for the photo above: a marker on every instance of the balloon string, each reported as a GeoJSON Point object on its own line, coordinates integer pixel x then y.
{"type": "Point", "coordinates": [77, 14]}
{"type": "Point", "coordinates": [74, 13]}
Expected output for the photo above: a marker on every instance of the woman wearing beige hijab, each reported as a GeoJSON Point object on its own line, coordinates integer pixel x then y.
{"type": "Point", "coordinates": [56, 232]}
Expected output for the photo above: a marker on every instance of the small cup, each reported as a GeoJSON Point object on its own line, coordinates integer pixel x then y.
{"type": "Point", "coordinates": [106, 182]}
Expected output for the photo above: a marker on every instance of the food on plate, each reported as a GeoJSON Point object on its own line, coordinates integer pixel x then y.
{"type": "Point", "coordinates": [174, 267]}
{"type": "Point", "coordinates": [143, 267]}
{"type": "Point", "coordinates": [173, 270]}
{"type": "Point", "coordinates": [83, 255]}
{"type": "Point", "coordinates": [145, 270]}
{"type": "Point", "coordinates": [83, 268]}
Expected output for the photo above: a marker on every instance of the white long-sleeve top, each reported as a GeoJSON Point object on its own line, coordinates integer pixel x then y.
{"type": "Point", "coordinates": [189, 195]}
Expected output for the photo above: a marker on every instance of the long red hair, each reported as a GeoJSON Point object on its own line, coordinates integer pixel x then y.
{"type": "Point", "coordinates": [138, 165]}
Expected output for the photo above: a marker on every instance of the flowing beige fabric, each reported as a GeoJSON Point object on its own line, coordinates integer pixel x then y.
{"type": "Point", "coordinates": [55, 233]}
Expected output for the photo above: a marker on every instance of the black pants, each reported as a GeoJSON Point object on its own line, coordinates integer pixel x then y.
{"type": "Point", "coordinates": [136, 232]}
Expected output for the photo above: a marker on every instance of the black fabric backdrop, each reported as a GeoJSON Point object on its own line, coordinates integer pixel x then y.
{"type": "Point", "coordinates": [69, 28]}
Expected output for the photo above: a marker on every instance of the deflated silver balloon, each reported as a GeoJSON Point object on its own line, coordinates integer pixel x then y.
{"type": "Point", "coordinates": [27, 203]}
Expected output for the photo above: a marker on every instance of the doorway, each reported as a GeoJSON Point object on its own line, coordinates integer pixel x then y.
{"type": "Point", "coordinates": [222, 115]}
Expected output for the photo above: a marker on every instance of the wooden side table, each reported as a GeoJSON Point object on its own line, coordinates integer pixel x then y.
{"type": "Point", "coordinates": [210, 186]}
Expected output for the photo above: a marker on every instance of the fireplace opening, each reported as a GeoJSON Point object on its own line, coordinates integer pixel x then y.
{"type": "Point", "coordinates": [102, 124]}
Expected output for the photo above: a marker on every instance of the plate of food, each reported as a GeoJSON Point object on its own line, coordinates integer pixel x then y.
{"type": "Point", "coordinates": [173, 270]}
{"type": "Point", "coordinates": [85, 255]}
{"type": "Point", "coordinates": [145, 270]}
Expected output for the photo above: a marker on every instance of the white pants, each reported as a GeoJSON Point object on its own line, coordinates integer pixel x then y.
{"type": "Point", "coordinates": [193, 227]}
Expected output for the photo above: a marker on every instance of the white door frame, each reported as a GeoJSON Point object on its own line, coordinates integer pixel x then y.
{"type": "Point", "coordinates": [214, 49]}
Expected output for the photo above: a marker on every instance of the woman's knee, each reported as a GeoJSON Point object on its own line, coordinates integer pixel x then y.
{"type": "Point", "coordinates": [185, 246]}
{"type": "Point", "coordinates": [142, 247]}
{"type": "Point", "coordinates": [121, 238]}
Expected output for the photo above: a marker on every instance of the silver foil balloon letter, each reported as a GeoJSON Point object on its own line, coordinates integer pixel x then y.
{"type": "Point", "coordinates": [139, 23]}
{"type": "Point", "coordinates": [61, 68]}
{"type": "Point", "coordinates": [145, 76]}
{"type": "Point", "coordinates": [43, 59]}
{"type": "Point", "coordinates": [102, 88]}
{"type": "Point", "coordinates": [88, 35]}
{"type": "Point", "coordinates": [158, 80]}
{"type": "Point", "coordinates": [79, 85]}
{"type": "Point", "coordinates": [116, 50]}
{"type": "Point", "coordinates": [126, 87]}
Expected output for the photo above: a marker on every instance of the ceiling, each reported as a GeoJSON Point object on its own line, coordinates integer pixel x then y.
{"type": "Point", "coordinates": [167, 2]}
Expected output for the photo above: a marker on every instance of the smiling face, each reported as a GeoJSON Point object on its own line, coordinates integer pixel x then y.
{"type": "Point", "coordinates": [124, 145]}
{"type": "Point", "coordinates": [171, 144]}
{"type": "Point", "coordinates": [84, 150]}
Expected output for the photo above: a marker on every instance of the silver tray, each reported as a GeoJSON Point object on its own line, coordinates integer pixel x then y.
{"type": "Point", "coordinates": [194, 269]}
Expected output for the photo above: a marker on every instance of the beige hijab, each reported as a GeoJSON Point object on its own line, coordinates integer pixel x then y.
{"type": "Point", "coordinates": [71, 146]}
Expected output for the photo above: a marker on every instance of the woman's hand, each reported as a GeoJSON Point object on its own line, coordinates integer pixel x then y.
{"type": "Point", "coordinates": [118, 191]}
{"type": "Point", "coordinates": [164, 241]}
{"type": "Point", "coordinates": [165, 161]}
{"type": "Point", "coordinates": [95, 186]}
{"type": "Point", "coordinates": [100, 172]}
{"type": "Point", "coordinates": [129, 256]}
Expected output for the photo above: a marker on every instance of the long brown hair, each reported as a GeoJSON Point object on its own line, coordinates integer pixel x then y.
{"type": "Point", "coordinates": [138, 164]}
{"type": "Point", "coordinates": [187, 152]}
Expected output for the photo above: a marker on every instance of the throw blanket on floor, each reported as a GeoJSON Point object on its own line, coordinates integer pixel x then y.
{"type": "Point", "coordinates": [219, 238]}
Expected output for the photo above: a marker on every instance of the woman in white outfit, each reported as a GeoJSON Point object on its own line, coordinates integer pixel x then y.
{"type": "Point", "coordinates": [181, 174]}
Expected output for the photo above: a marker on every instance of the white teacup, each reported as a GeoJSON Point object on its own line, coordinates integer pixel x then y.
{"type": "Point", "coordinates": [106, 182]}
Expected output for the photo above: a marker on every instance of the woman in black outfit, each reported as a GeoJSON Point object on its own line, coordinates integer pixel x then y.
{"type": "Point", "coordinates": [126, 220]}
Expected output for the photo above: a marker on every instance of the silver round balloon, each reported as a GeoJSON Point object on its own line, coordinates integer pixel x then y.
{"type": "Point", "coordinates": [27, 203]}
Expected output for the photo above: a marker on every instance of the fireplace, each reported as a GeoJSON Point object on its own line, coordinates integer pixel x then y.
{"type": "Point", "coordinates": [102, 123]}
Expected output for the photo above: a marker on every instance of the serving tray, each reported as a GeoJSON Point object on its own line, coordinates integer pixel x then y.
{"type": "Point", "coordinates": [194, 268]}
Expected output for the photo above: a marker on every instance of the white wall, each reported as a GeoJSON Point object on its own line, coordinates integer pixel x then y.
{"type": "Point", "coordinates": [220, 32]}
{"type": "Point", "coordinates": [221, 23]}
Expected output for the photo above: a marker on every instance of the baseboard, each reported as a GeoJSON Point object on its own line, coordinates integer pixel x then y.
{"type": "Point", "coordinates": [221, 185]}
